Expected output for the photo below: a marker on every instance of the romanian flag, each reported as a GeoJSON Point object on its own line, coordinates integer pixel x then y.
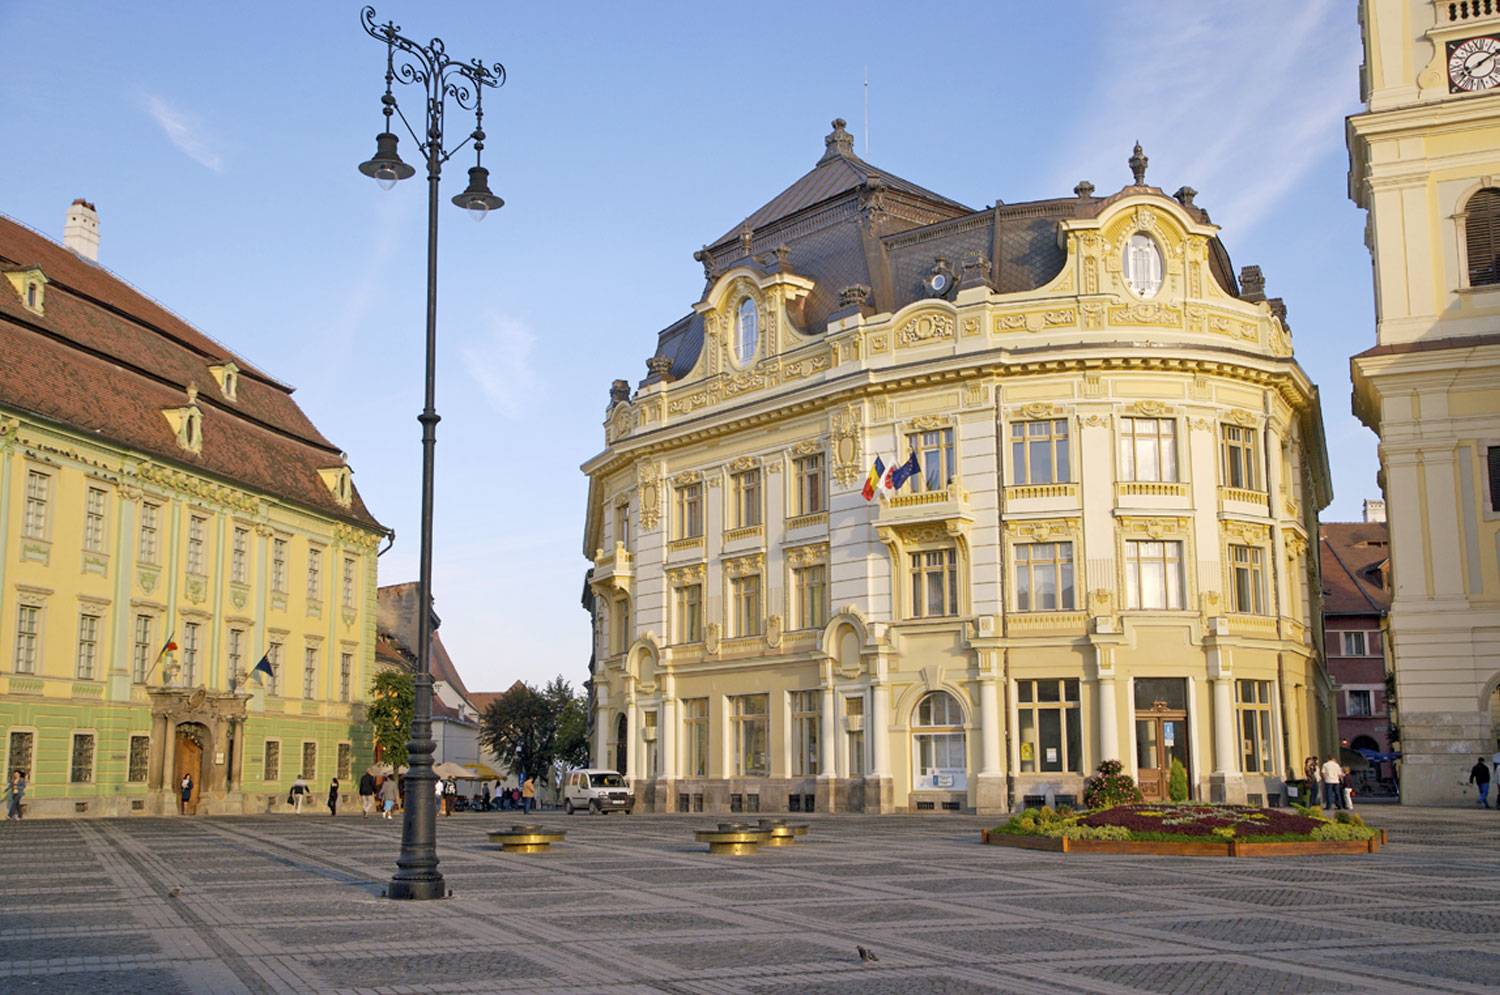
{"type": "Point", "coordinates": [876, 472]}
{"type": "Point", "coordinates": [171, 645]}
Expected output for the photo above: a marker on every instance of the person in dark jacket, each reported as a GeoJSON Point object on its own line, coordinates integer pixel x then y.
{"type": "Point", "coordinates": [366, 793]}
{"type": "Point", "coordinates": [333, 797]}
{"type": "Point", "coordinates": [1480, 777]}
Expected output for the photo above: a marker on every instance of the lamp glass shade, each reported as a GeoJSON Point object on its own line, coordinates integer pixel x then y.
{"type": "Point", "coordinates": [477, 199]}
{"type": "Point", "coordinates": [385, 166]}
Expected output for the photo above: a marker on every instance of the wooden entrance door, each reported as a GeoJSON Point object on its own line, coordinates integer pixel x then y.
{"type": "Point", "coordinates": [1160, 738]}
{"type": "Point", "coordinates": [189, 761]}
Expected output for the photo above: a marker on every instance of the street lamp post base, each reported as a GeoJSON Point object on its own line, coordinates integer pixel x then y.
{"type": "Point", "coordinates": [418, 889]}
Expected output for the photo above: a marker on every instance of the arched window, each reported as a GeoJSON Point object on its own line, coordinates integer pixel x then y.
{"type": "Point", "coordinates": [747, 332]}
{"type": "Point", "coordinates": [938, 746]}
{"type": "Point", "coordinates": [1142, 265]}
{"type": "Point", "coordinates": [1482, 237]}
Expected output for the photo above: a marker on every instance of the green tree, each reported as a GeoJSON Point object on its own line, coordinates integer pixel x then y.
{"type": "Point", "coordinates": [392, 700]}
{"type": "Point", "coordinates": [1177, 787]}
{"type": "Point", "coordinates": [519, 728]}
{"type": "Point", "coordinates": [572, 745]}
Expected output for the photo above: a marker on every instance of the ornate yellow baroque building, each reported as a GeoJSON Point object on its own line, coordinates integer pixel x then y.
{"type": "Point", "coordinates": [1105, 553]}
{"type": "Point", "coordinates": [1425, 164]}
{"type": "Point", "coordinates": [154, 487]}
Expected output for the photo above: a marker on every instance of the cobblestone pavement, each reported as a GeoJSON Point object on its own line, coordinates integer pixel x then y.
{"type": "Point", "coordinates": [630, 904]}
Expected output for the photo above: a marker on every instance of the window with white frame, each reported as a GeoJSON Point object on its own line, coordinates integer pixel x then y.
{"type": "Point", "coordinates": [1049, 726]}
{"type": "Point", "coordinates": [348, 586]}
{"type": "Point", "coordinates": [1238, 465]}
{"type": "Point", "coordinates": [345, 761]}
{"type": "Point", "coordinates": [239, 555]}
{"type": "Point", "coordinates": [1039, 451]}
{"type": "Point", "coordinates": [622, 524]}
{"type": "Point", "coordinates": [140, 649]}
{"type": "Point", "coordinates": [744, 605]}
{"type": "Point", "coordinates": [805, 719]}
{"type": "Point", "coordinates": [1148, 449]}
{"type": "Point", "coordinates": [139, 764]}
{"type": "Point", "coordinates": [81, 762]}
{"type": "Point", "coordinates": [346, 675]}
{"type": "Point", "coordinates": [314, 574]}
{"type": "Point", "coordinates": [620, 617]}
{"type": "Point", "coordinates": [310, 760]}
{"type": "Point", "coordinates": [1044, 576]}
{"type": "Point", "coordinates": [749, 719]}
{"type": "Point", "coordinates": [938, 742]}
{"type": "Point", "coordinates": [1154, 575]}
{"type": "Point", "coordinates": [695, 737]}
{"type": "Point", "coordinates": [1253, 702]}
{"type": "Point", "coordinates": [1362, 703]}
{"type": "Point", "coordinates": [278, 565]}
{"type": "Point", "coordinates": [745, 494]}
{"type": "Point", "coordinates": [808, 481]}
{"type": "Point", "coordinates": [687, 613]}
{"type": "Point", "coordinates": [273, 657]}
{"type": "Point", "coordinates": [28, 636]}
{"type": "Point", "coordinates": [88, 646]}
{"type": "Point", "coordinates": [191, 643]}
{"type": "Point", "coordinates": [38, 500]}
{"type": "Point", "coordinates": [197, 528]}
{"type": "Point", "coordinates": [854, 711]}
{"type": "Point", "coordinates": [689, 512]}
{"type": "Point", "coordinates": [746, 332]}
{"type": "Point", "coordinates": [1248, 588]}
{"type": "Point", "coordinates": [810, 591]}
{"type": "Point", "coordinates": [270, 767]}
{"type": "Point", "coordinates": [1354, 643]}
{"type": "Point", "coordinates": [937, 458]}
{"type": "Point", "coordinates": [309, 672]}
{"type": "Point", "coordinates": [20, 752]}
{"type": "Point", "coordinates": [93, 520]}
{"type": "Point", "coordinates": [149, 546]}
{"type": "Point", "coordinates": [236, 654]}
{"type": "Point", "coordinates": [933, 575]}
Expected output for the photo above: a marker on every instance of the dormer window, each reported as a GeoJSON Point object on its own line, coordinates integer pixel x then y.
{"type": "Point", "coordinates": [31, 287]}
{"type": "Point", "coordinates": [228, 377]}
{"type": "Point", "coordinates": [746, 332]}
{"type": "Point", "coordinates": [337, 480]}
{"type": "Point", "coordinates": [1141, 265]}
{"type": "Point", "coordinates": [31, 294]}
{"type": "Point", "coordinates": [187, 422]}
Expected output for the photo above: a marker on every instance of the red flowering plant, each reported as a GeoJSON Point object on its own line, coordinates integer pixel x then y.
{"type": "Point", "coordinates": [1178, 820]}
{"type": "Point", "coordinates": [1111, 786]}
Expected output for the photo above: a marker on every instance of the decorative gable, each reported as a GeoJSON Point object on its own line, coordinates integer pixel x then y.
{"type": "Point", "coordinates": [339, 483]}
{"type": "Point", "coordinates": [31, 286]}
{"type": "Point", "coordinates": [227, 375]}
{"type": "Point", "coordinates": [187, 422]}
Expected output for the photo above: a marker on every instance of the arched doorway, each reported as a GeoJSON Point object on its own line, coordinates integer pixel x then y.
{"type": "Point", "coordinates": [192, 748]}
{"type": "Point", "coordinates": [938, 748]}
{"type": "Point", "coordinates": [622, 745]}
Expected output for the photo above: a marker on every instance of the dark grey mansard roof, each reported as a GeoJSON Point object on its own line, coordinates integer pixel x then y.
{"type": "Point", "coordinates": [848, 223]}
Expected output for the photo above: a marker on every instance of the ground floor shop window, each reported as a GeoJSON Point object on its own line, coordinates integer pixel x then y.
{"type": "Point", "coordinates": [938, 744]}
{"type": "Point", "coordinates": [750, 718]}
{"type": "Point", "coordinates": [1049, 725]}
{"type": "Point", "coordinates": [805, 719]}
{"type": "Point", "coordinates": [1253, 701]}
{"type": "Point", "coordinates": [854, 714]}
{"type": "Point", "coordinates": [695, 737]}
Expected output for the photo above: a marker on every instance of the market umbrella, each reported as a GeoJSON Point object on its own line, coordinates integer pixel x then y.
{"type": "Point", "coordinates": [448, 769]}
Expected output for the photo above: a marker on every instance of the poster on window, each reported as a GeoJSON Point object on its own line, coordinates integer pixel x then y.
{"type": "Point", "coordinates": [948, 779]}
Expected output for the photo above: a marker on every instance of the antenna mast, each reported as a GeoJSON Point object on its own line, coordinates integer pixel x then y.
{"type": "Point", "coordinates": [867, 113]}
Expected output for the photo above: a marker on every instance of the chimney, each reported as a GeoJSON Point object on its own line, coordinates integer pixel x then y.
{"type": "Point", "coordinates": [1374, 511]}
{"type": "Point", "coordinates": [81, 233]}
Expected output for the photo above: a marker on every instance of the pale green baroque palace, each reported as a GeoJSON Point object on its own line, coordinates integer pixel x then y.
{"type": "Point", "coordinates": [156, 489]}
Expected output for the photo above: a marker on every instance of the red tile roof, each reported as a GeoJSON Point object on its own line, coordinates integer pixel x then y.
{"type": "Point", "coordinates": [1354, 557]}
{"type": "Point", "coordinates": [105, 360]}
{"type": "Point", "coordinates": [396, 622]}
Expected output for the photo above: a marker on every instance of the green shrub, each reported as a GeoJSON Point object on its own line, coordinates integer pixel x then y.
{"type": "Point", "coordinates": [1111, 786]}
{"type": "Point", "coordinates": [1222, 833]}
{"type": "Point", "coordinates": [1349, 818]}
{"type": "Point", "coordinates": [1342, 831]}
{"type": "Point", "coordinates": [1076, 832]}
{"type": "Point", "coordinates": [1177, 786]}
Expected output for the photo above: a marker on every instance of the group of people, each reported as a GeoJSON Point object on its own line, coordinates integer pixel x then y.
{"type": "Point", "coordinates": [385, 794]}
{"type": "Point", "coordinates": [1332, 780]}
{"type": "Point", "coordinates": [301, 789]}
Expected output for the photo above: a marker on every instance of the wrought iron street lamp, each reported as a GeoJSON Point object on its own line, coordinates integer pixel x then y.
{"type": "Point", "coordinates": [429, 67]}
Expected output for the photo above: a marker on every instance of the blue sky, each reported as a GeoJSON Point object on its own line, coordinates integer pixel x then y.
{"type": "Point", "coordinates": [219, 143]}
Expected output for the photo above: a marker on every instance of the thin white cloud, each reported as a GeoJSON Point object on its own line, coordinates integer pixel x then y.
{"type": "Point", "coordinates": [184, 132]}
{"type": "Point", "coordinates": [500, 362]}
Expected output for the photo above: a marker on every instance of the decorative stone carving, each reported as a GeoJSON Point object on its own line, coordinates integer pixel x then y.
{"type": "Point", "coordinates": [802, 556]}
{"type": "Point", "coordinates": [742, 566]}
{"type": "Point", "coordinates": [1146, 313]}
{"type": "Point", "coordinates": [1009, 322]}
{"type": "Point", "coordinates": [845, 429]}
{"type": "Point", "coordinates": [1043, 529]}
{"type": "Point", "coordinates": [1154, 528]}
{"type": "Point", "coordinates": [744, 463]}
{"type": "Point", "coordinates": [1151, 408]}
{"type": "Point", "coordinates": [971, 327]}
{"type": "Point", "coordinates": [1246, 533]}
{"type": "Point", "coordinates": [773, 631]}
{"type": "Point", "coordinates": [925, 328]}
{"type": "Point", "coordinates": [930, 423]}
{"type": "Point", "coordinates": [693, 573]}
{"type": "Point", "coordinates": [711, 639]}
{"type": "Point", "coordinates": [648, 489]}
{"type": "Point", "coordinates": [853, 296]}
{"type": "Point", "coordinates": [1242, 417]}
{"type": "Point", "coordinates": [1037, 410]}
{"type": "Point", "coordinates": [805, 448]}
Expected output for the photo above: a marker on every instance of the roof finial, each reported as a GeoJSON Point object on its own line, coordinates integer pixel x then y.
{"type": "Point", "coordinates": [1138, 165]}
{"type": "Point", "coordinates": [747, 237]}
{"type": "Point", "coordinates": [839, 142]}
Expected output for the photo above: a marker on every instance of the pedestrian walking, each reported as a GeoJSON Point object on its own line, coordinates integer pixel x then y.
{"type": "Point", "coordinates": [15, 791]}
{"type": "Point", "coordinates": [366, 793]}
{"type": "Point", "coordinates": [333, 797]}
{"type": "Point", "coordinates": [298, 792]}
{"type": "Point", "coordinates": [528, 795]}
{"type": "Point", "coordinates": [1479, 776]}
{"type": "Point", "coordinates": [1310, 775]}
{"type": "Point", "coordinates": [450, 796]}
{"type": "Point", "coordinates": [438, 795]}
{"type": "Point", "coordinates": [187, 793]}
{"type": "Point", "coordinates": [389, 794]}
{"type": "Point", "coordinates": [1332, 773]}
{"type": "Point", "coordinates": [1346, 787]}
{"type": "Point", "coordinates": [484, 793]}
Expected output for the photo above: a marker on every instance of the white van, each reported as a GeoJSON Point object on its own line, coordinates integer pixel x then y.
{"type": "Point", "coordinates": [596, 790]}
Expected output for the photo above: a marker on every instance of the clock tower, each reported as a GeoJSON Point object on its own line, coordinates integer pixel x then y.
{"type": "Point", "coordinates": [1424, 162]}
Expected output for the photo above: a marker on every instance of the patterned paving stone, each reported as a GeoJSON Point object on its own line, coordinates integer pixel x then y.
{"type": "Point", "coordinates": [1013, 939]}
{"type": "Point", "coordinates": [873, 983]}
{"type": "Point", "coordinates": [54, 982]}
{"type": "Point", "coordinates": [68, 947]}
{"type": "Point", "coordinates": [1197, 977]}
{"type": "Point", "coordinates": [367, 970]}
{"type": "Point", "coordinates": [1468, 966]}
{"type": "Point", "coordinates": [1253, 931]}
{"type": "Point", "coordinates": [737, 950]}
{"type": "Point", "coordinates": [1445, 920]}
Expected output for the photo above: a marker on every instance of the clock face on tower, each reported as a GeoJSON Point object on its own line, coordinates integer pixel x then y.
{"type": "Point", "coordinates": [1474, 64]}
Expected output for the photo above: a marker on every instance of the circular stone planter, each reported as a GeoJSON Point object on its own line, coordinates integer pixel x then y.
{"type": "Point", "coordinates": [525, 839]}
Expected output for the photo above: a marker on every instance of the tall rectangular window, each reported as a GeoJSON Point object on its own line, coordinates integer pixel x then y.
{"type": "Point", "coordinates": [38, 498]}
{"type": "Point", "coordinates": [1238, 465]}
{"type": "Point", "coordinates": [1148, 449]}
{"type": "Point", "coordinates": [1039, 451]}
{"type": "Point", "coordinates": [805, 720]}
{"type": "Point", "coordinates": [744, 603]}
{"type": "Point", "coordinates": [278, 565]}
{"type": "Point", "coordinates": [348, 583]}
{"type": "Point", "coordinates": [273, 657]}
{"type": "Point", "coordinates": [81, 762]}
{"type": "Point", "coordinates": [1044, 576]}
{"type": "Point", "coordinates": [745, 490]}
{"type": "Point", "coordinates": [1253, 702]}
{"type": "Point", "coordinates": [807, 478]}
{"type": "Point", "coordinates": [197, 528]}
{"type": "Point", "coordinates": [934, 584]}
{"type": "Point", "coordinates": [854, 711]}
{"type": "Point", "coordinates": [88, 646]}
{"type": "Point", "coordinates": [937, 458]}
{"type": "Point", "coordinates": [150, 548]}
{"type": "Point", "coordinates": [28, 635]}
{"type": "Point", "coordinates": [750, 722]}
{"type": "Point", "coordinates": [1361, 703]}
{"type": "Point", "coordinates": [270, 768]}
{"type": "Point", "coordinates": [687, 612]}
{"type": "Point", "coordinates": [620, 627]}
{"type": "Point", "coordinates": [346, 675]}
{"type": "Point", "coordinates": [93, 520]}
{"type": "Point", "coordinates": [345, 761]}
{"type": "Point", "coordinates": [18, 758]}
{"type": "Point", "coordinates": [239, 554]}
{"type": "Point", "coordinates": [622, 524]}
{"type": "Point", "coordinates": [689, 512]}
{"type": "Point", "coordinates": [695, 737]}
{"type": "Point", "coordinates": [1354, 644]}
{"type": "Point", "coordinates": [236, 653]}
{"type": "Point", "coordinates": [309, 672]}
{"type": "Point", "coordinates": [810, 589]}
{"type": "Point", "coordinates": [1049, 726]}
{"type": "Point", "coordinates": [140, 649]}
{"type": "Point", "coordinates": [1153, 575]}
{"type": "Point", "coordinates": [314, 574]}
{"type": "Point", "coordinates": [140, 759]}
{"type": "Point", "coordinates": [191, 643]}
{"type": "Point", "coordinates": [310, 760]}
{"type": "Point", "coordinates": [1248, 590]}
